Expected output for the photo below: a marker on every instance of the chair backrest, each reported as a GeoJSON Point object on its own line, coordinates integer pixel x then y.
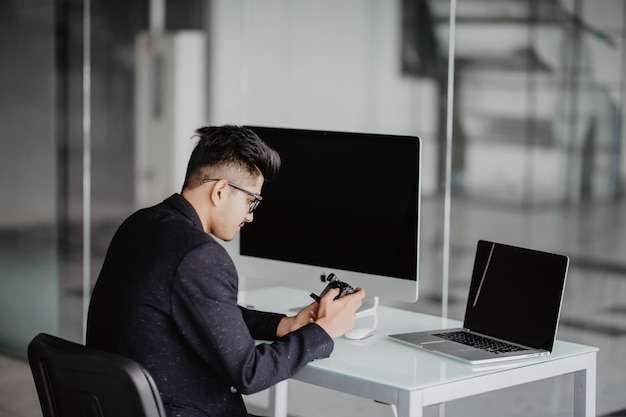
{"type": "Point", "coordinates": [74, 380]}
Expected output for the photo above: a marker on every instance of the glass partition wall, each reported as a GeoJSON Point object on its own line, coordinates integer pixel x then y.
{"type": "Point", "coordinates": [532, 103]}
{"type": "Point", "coordinates": [29, 227]}
{"type": "Point", "coordinates": [538, 162]}
{"type": "Point", "coordinates": [67, 150]}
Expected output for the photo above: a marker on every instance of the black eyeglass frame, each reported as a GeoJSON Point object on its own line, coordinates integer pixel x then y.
{"type": "Point", "coordinates": [253, 204]}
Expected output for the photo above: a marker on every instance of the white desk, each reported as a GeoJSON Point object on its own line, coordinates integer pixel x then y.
{"type": "Point", "coordinates": [383, 370]}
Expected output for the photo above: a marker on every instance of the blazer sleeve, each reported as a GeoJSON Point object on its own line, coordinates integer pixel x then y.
{"type": "Point", "coordinates": [261, 325]}
{"type": "Point", "coordinates": [204, 307]}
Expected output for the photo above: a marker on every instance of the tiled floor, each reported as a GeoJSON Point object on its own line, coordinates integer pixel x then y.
{"type": "Point", "coordinates": [594, 312]}
{"type": "Point", "coordinates": [18, 397]}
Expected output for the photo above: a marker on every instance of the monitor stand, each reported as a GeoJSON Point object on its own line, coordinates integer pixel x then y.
{"type": "Point", "coordinates": [369, 306]}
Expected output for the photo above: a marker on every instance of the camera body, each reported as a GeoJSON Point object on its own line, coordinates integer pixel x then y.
{"type": "Point", "coordinates": [334, 282]}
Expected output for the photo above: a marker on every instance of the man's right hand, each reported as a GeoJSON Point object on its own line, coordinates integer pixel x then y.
{"type": "Point", "coordinates": [336, 317]}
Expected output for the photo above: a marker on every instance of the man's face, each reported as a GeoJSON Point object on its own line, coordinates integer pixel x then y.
{"type": "Point", "coordinates": [235, 210]}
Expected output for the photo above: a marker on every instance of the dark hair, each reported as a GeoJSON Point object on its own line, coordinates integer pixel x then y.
{"type": "Point", "coordinates": [230, 146]}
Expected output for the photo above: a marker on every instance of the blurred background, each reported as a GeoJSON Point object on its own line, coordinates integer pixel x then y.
{"type": "Point", "coordinates": [99, 100]}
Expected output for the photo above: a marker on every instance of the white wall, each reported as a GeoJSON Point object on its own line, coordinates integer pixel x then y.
{"type": "Point", "coordinates": [170, 104]}
{"type": "Point", "coordinates": [321, 65]}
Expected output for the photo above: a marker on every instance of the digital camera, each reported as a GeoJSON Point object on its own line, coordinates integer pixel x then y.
{"type": "Point", "coordinates": [334, 282]}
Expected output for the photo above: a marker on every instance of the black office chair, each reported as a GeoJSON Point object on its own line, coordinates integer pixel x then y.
{"type": "Point", "coordinates": [74, 380]}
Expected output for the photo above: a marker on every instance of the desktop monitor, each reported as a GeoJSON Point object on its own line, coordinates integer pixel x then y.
{"type": "Point", "coordinates": [343, 203]}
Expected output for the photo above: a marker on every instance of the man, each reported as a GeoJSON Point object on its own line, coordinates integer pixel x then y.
{"type": "Point", "coordinates": [167, 292]}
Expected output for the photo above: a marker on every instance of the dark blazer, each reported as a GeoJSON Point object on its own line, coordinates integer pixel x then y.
{"type": "Point", "coordinates": [167, 298]}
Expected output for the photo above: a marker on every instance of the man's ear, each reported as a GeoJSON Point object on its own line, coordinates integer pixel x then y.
{"type": "Point", "coordinates": [218, 192]}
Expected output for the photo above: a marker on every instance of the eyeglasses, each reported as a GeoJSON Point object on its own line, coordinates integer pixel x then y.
{"type": "Point", "coordinates": [253, 204]}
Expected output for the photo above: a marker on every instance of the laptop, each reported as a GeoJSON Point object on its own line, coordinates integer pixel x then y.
{"type": "Point", "coordinates": [512, 311]}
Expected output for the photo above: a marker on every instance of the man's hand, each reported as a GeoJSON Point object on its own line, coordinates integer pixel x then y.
{"type": "Point", "coordinates": [305, 316]}
{"type": "Point", "coordinates": [336, 317]}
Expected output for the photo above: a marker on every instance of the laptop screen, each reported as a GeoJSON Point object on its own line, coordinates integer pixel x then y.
{"type": "Point", "coordinates": [516, 294]}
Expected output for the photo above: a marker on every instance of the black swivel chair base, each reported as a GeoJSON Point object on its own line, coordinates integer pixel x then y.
{"type": "Point", "coordinates": [74, 380]}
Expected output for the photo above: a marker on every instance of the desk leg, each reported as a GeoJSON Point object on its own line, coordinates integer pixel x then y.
{"type": "Point", "coordinates": [585, 391]}
{"type": "Point", "coordinates": [410, 404]}
{"type": "Point", "coordinates": [278, 399]}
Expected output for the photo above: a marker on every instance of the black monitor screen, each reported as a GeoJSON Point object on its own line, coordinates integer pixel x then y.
{"type": "Point", "coordinates": [341, 200]}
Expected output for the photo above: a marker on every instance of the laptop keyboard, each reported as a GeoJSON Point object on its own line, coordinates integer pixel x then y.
{"type": "Point", "coordinates": [480, 342]}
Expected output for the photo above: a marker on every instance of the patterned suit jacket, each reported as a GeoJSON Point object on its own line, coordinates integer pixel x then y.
{"type": "Point", "coordinates": [166, 297]}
